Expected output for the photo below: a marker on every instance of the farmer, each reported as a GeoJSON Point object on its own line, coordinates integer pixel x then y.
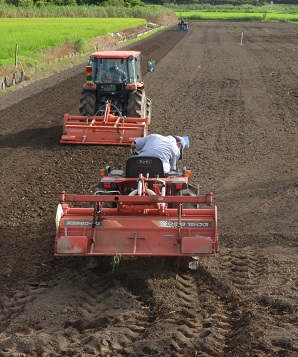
{"type": "Point", "coordinates": [168, 148]}
{"type": "Point", "coordinates": [117, 74]}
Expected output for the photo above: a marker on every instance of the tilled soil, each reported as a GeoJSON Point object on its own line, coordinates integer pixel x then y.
{"type": "Point", "coordinates": [238, 103]}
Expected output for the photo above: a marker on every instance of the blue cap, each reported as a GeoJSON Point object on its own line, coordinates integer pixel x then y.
{"type": "Point", "coordinates": [184, 140]}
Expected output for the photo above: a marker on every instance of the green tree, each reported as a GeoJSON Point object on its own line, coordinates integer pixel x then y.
{"type": "Point", "coordinates": [21, 3]}
{"type": "Point", "coordinates": [133, 3]}
{"type": "Point", "coordinates": [124, 3]}
{"type": "Point", "coordinates": [108, 3]}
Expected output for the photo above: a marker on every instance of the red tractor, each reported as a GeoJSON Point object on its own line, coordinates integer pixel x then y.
{"type": "Point", "coordinates": [138, 211]}
{"type": "Point", "coordinates": [182, 25]}
{"type": "Point", "coordinates": [114, 108]}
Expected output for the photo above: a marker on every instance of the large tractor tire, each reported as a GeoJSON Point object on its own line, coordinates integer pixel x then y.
{"type": "Point", "coordinates": [191, 191]}
{"type": "Point", "coordinates": [88, 103]}
{"type": "Point", "coordinates": [136, 106]}
{"type": "Point", "coordinates": [148, 109]}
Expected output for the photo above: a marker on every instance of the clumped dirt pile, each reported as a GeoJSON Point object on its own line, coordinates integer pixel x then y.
{"type": "Point", "coordinates": [238, 103]}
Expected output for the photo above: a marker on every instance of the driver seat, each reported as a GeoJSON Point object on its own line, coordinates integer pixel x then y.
{"type": "Point", "coordinates": [151, 165]}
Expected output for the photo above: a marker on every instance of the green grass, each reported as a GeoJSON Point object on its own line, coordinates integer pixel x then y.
{"type": "Point", "coordinates": [239, 16]}
{"type": "Point", "coordinates": [154, 13]}
{"type": "Point", "coordinates": [275, 8]}
{"type": "Point", "coordinates": [34, 34]}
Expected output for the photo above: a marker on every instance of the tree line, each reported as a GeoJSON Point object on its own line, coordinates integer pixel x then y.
{"type": "Point", "coordinates": [40, 3]}
{"type": "Point", "coordinates": [247, 2]}
{"type": "Point", "coordinates": [134, 3]}
{"type": "Point", "coordinates": [222, 2]}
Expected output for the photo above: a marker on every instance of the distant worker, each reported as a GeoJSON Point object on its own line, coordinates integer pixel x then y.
{"type": "Point", "coordinates": [168, 148]}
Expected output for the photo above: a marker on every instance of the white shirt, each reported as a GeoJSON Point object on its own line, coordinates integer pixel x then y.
{"type": "Point", "coordinates": [164, 147]}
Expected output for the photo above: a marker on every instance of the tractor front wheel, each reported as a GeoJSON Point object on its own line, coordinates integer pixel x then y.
{"type": "Point", "coordinates": [88, 103]}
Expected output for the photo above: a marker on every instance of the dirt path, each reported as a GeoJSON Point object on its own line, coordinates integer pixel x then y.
{"type": "Point", "coordinates": [239, 106]}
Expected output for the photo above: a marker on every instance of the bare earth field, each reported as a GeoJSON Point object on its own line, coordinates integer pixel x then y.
{"type": "Point", "coordinates": [239, 106]}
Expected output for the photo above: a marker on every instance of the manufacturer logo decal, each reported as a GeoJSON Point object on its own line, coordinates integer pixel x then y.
{"type": "Point", "coordinates": [187, 224]}
{"type": "Point", "coordinates": [144, 162]}
{"type": "Point", "coordinates": [88, 223]}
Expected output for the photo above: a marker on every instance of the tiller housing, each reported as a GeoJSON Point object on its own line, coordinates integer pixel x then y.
{"type": "Point", "coordinates": [138, 214]}
{"type": "Point", "coordinates": [107, 129]}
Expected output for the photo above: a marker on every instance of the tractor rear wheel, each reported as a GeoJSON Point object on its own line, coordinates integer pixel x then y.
{"type": "Point", "coordinates": [148, 109]}
{"type": "Point", "coordinates": [88, 103]}
{"type": "Point", "coordinates": [136, 106]}
{"type": "Point", "coordinates": [186, 192]}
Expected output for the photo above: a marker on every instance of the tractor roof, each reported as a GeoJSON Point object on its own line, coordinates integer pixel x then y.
{"type": "Point", "coordinates": [115, 54]}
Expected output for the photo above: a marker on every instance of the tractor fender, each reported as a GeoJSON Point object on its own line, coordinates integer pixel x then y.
{"type": "Point", "coordinates": [90, 86]}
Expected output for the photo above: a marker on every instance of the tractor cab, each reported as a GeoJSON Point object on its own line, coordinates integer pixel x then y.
{"type": "Point", "coordinates": [115, 70]}
{"type": "Point", "coordinates": [116, 66]}
{"type": "Point", "coordinates": [116, 76]}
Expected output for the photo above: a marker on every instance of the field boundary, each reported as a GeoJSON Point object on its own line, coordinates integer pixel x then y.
{"type": "Point", "coordinates": [16, 77]}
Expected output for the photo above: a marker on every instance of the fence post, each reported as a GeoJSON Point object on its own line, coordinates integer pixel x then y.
{"type": "Point", "coordinates": [16, 56]}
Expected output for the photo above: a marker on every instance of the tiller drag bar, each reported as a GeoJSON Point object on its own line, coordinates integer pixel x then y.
{"type": "Point", "coordinates": [133, 225]}
{"type": "Point", "coordinates": [107, 129]}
